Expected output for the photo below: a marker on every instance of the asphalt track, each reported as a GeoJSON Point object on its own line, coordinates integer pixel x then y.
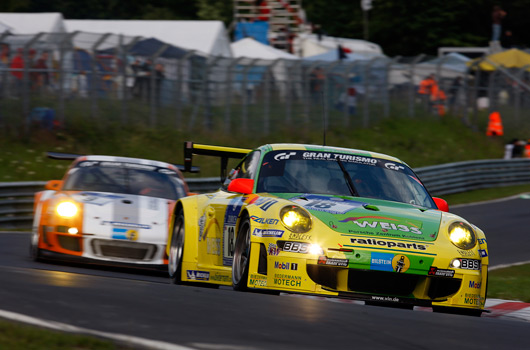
{"type": "Point", "coordinates": [144, 306]}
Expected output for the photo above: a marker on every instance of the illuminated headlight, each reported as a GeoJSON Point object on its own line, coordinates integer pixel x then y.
{"type": "Point", "coordinates": [295, 219]}
{"type": "Point", "coordinates": [316, 249]}
{"type": "Point", "coordinates": [66, 209]}
{"type": "Point", "coordinates": [73, 230]}
{"type": "Point", "coordinates": [462, 235]}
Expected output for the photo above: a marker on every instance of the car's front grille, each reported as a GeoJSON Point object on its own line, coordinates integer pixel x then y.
{"type": "Point", "coordinates": [123, 249]}
{"type": "Point", "coordinates": [384, 283]}
{"type": "Point", "coordinates": [72, 243]}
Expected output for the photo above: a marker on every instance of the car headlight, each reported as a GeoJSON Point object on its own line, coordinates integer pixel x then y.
{"type": "Point", "coordinates": [295, 219]}
{"type": "Point", "coordinates": [66, 209]}
{"type": "Point", "coordinates": [462, 235]}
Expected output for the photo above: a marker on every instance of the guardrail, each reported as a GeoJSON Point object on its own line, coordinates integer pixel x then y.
{"type": "Point", "coordinates": [16, 198]}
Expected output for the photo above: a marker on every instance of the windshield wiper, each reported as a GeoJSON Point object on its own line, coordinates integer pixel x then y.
{"type": "Point", "coordinates": [348, 179]}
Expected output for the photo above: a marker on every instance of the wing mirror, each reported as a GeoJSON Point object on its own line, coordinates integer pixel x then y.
{"type": "Point", "coordinates": [441, 204]}
{"type": "Point", "coordinates": [243, 186]}
{"type": "Point", "coordinates": [54, 185]}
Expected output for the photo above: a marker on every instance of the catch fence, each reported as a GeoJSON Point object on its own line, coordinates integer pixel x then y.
{"type": "Point", "coordinates": [51, 79]}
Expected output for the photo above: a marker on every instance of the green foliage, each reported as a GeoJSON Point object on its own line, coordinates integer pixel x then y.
{"type": "Point", "coordinates": [512, 283]}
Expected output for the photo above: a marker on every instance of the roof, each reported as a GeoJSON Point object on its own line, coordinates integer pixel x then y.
{"type": "Point", "coordinates": [33, 23]}
{"type": "Point", "coordinates": [311, 45]}
{"type": "Point", "coordinates": [208, 37]}
{"type": "Point", "coordinates": [248, 47]}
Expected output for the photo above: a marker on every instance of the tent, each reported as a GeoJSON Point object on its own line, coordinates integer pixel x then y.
{"type": "Point", "coordinates": [513, 58]}
{"type": "Point", "coordinates": [208, 37]}
{"type": "Point", "coordinates": [333, 55]}
{"type": "Point", "coordinates": [33, 23]}
{"type": "Point", "coordinates": [453, 61]}
{"type": "Point", "coordinates": [148, 47]}
{"type": "Point", "coordinates": [251, 48]}
{"type": "Point", "coordinates": [4, 28]}
{"type": "Point", "coordinates": [312, 44]}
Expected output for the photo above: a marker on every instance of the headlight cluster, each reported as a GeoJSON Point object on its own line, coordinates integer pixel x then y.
{"type": "Point", "coordinates": [462, 235]}
{"type": "Point", "coordinates": [295, 219]}
{"type": "Point", "coordinates": [66, 209]}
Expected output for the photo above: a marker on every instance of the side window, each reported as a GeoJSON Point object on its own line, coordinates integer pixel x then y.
{"type": "Point", "coordinates": [246, 169]}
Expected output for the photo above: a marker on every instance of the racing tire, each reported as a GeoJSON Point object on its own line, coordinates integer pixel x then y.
{"type": "Point", "coordinates": [241, 261]}
{"type": "Point", "coordinates": [176, 249]}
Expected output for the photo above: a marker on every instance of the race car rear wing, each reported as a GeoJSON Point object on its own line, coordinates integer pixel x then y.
{"type": "Point", "coordinates": [72, 156]}
{"type": "Point", "coordinates": [222, 152]}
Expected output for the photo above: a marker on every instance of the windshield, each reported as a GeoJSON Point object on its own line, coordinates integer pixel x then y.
{"type": "Point", "coordinates": [126, 178]}
{"type": "Point", "coordinates": [321, 173]}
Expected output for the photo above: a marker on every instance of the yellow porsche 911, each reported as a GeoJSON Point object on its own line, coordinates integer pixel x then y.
{"type": "Point", "coordinates": [328, 221]}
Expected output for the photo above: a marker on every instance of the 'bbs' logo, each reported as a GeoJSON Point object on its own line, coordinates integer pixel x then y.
{"type": "Point", "coordinates": [284, 155]}
{"type": "Point", "coordinates": [393, 166]}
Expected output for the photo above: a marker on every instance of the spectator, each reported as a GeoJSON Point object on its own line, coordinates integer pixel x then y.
{"type": "Point", "coordinates": [496, 17]}
{"type": "Point", "coordinates": [348, 101]}
{"type": "Point", "coordinates": [17, 68]}
{"type": "Point", "coordinates": [41, 77]}
{"type": "Point", "coordinates": [425, 90]}
{"type": "Point", "coordinates": [316, 84]}
{"type": "Point", "coordinates": [135, 67]}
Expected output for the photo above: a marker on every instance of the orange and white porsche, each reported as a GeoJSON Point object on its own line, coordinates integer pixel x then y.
{"type": "Point", "coordinates": [107, 210]}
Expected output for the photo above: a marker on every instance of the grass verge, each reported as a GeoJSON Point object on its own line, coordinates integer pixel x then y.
{"type": "Point", "coordinates": [511, 283]}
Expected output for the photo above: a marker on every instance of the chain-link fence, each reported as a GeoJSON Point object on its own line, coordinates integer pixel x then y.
{"type": "Point", "coordinates": [50, 79]}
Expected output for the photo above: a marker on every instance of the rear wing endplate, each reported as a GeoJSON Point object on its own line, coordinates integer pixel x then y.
{"type": "Point", "coordinates": [222, 152]}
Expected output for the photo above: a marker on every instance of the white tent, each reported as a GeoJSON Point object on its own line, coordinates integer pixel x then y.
{"type": "Point", "coordinates": [248, 47]}
{"type": "Point", "coordinates": [310, 45]}
{"type": "Point", "coordinates": [208, 37]}
{"type": "Point", "coordinates": [33, 23]}
{"type": "Point", "coordinates": [4, 28]}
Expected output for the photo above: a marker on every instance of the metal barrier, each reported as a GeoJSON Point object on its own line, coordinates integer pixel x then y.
{"type": "Point", "coordinates": [16, 198]}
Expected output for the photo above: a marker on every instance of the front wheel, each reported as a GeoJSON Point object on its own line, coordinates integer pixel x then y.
{"type": "Point", "coordinates": [176, 249]}
{"type": "Point", "coordinates": [240, 264]}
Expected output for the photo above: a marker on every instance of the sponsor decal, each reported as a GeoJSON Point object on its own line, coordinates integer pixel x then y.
{"type": "Point", "coordinates": [285, 266]}
{"type": "Point", "coordinates": [388, 244]}
{"type": "Point", "coordinates": [324, 260]}
{"type": "Point", "coordinates": [202, 223]}
{"type": "Point", "coordinates": [326, 204]}
{"type": "Point", "coordinates": [474, 299]}
{"type": "Point", "coordinates": [474, 284]}
{"type": "Point", "coordinates": [284, 155]}
{"type": "Point", "coordinates": [381, 261]}
{"type": "Point", "coordinates": [257, 280]}
{"type": "Point", "coordinates": [126, 224]}
{"type": "Point", "coordinates": [264, 221]}
{"type": "Point", "coordinates": [469, 264]}
{"type": "Point", "coordinates": [268, 204]}
{"type": "Point", "coordinates": [384, 226]}
{"type": "Point", "coordinates": [332, 225]}
{"type": "Point", "coordinates": [467, 253]}
{"type": "Point", "coordinates": [296, 247]}
{"type": "Point", "coordinates": [287, 280]}
{"type": "Point", "coordinates": [394, 166]}
{"type": "Point", "coordinates": [213, 246]}
{"type": "Point", "coordinates": [119, 233]}
{"type": "Point", "coordinates": [229, 228]}
{"type": "Point", "coordinates": [400, 263]}
{"type": "Point", "coordinates": [198, 275]}
{"type": "Point", "coordinates": [434, 271]}
{"type": "Point", "coordinates": [273, 249]}
{"type": "Point", "coordinates": [299, 236]}
{"type": "Point", "coordinates": [220, 278]}
{"type": "Point", "coordinates": [96, 198]}
{"type": "Point", "coordinates": [258, 232]}
{"type": "Point", "coordinates": [342, 157]}
{"type": "Point", "coordinates": [482, 241]}
{"type": "Point", "coordinates": [378, 298]}
{"type": "Point", "coordinates": [263, 202]}
{"type": "Point", "coordinates": [483, 253]}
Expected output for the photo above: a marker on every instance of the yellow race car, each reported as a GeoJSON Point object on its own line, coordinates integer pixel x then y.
{"type": "Point", "coordinates": [327, 221]}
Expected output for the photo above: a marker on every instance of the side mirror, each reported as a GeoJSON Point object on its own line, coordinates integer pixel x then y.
{"type": "Point", "coordinates": [243, 186]}
{"type": "Point", "coordinates": [54, 185]}
{"type": "Point", "coordinates": [441, 204]}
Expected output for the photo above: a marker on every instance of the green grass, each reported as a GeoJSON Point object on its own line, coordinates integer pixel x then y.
{"type": "Point", "coordinates": [15, 336]}
{"type": "Point", "coordinates": [512, 283]}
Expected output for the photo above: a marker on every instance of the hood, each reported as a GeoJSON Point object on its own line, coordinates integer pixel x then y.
{"type": "Point", "coordinates": [371, 217]}
{"type": "Point", "coordinates": [123, 216]}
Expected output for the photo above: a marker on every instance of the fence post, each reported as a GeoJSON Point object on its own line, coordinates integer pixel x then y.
{"type": "Point", "coordinates": [123, 50]}
{"type": "Point", "coordinates": [26, 83]}
{"type": "Point", "coordinates": [228, 91]}
{"type": "Point", "coordinates": [412, 90]}
{"type": "Point", "coordinates": [95, 75]}
{"type": "Point", "coordinates": [244, 91]}
{"type": "Point", "coordinates": [207, 121]}
{"type": "Point", "coordinates": [66, 41]}
{"type": "Point", "coordinates": [180, 82]}
{"type": "Point", "coordinates": [153, 94]}
{"type": "Point", "coordinates": [386, 87]}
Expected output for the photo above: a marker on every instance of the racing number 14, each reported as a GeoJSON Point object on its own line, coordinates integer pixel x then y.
{"type": "Point", "coordinates": [228, 241]}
